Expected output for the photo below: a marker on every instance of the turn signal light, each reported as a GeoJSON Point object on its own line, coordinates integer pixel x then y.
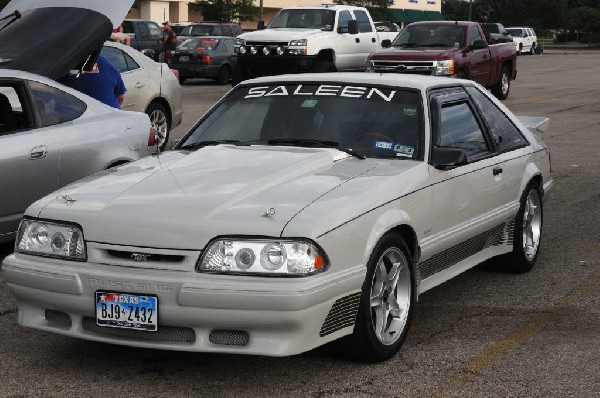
{"type": "Point", "coordinates": [206, 58]}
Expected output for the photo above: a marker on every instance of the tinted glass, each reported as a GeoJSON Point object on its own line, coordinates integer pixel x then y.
{"type": "Point", "coordinates": [12, 117]}
{"type": "Point", "coordinates": [431, 36]}
{"type": "Point", "coordinates": [459, 129]}
{"type": "Point", "coordinates": [55, 106]}
{"type": "Point", "coordinates": [506, 135]}
{"type": "Point", "coordinates": [128, 27]}
{"type": "Point", "coordinates": [237, 30]}
{"type": "Point", "coordinates": [374, 121]}
{"type": "Point", "coordinates": [144, 32]}
{"type": "Point", "coordinates": [304, 18]}
{"type": "Point", "coordinates": [197, 30]}
{"type": "Point", "coordinates": [116, 57]}
{"type": "Point", "coordinates": [226, 30]}
{"type": "Point", "coordinates": [474, 34]}
{"type": "Point", "coordinates": [199, 44]}
{"type": "Point", "coordinates": [364, 24]}
{"type": "Point", "coordinates": [515, 32]}
{"type": "Point", "coordinates": [217, 31]}
{"type": "Point", "coordinates": [155, 31]}
{"type": "Point", "coordinates": [343, 20]}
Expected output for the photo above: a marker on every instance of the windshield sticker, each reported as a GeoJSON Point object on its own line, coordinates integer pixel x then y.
{"type": "Point", "coordinates": [404, 150]}
{"type": "Point", "coordinates": [309, 103]}
{"type": "Point", "coordinates": [384, 145]}
{"type": "Point", "coordinates": [322, 90]}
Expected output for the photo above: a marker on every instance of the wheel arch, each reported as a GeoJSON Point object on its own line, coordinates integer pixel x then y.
{"type": "Point", "coordinates": [163, 101]}
{"type": "Point", "coordinates": [325, 55]}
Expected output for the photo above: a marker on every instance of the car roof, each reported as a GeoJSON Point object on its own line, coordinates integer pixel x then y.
{"type": "Point", "coordinates": [419, 82]}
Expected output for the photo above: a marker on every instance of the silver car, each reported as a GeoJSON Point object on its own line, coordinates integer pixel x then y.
{"type": "Point", "coordinates": [52, 135]}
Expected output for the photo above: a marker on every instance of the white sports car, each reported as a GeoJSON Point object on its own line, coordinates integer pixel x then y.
{"type": "Point", "coordinates": [300, 210]}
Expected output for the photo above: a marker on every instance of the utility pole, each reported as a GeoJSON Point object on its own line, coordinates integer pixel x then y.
{"type": "Point", "coordinates": [261, 17]}
{"type": "Point", "coordinates": [470, 8]}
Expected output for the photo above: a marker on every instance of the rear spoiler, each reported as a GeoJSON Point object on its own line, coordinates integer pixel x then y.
{"type": "Point", "coordinates": [534, 123]}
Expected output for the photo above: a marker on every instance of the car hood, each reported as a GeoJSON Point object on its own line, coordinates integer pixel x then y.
{"type": "Point", "coordinates": [280, 34]}
{"type": "Point", "coordinates": [183, 199]}
{"type": "Point", "coordinates": [414, 53]}
{"type": "Point", "coordinates": [50, 37]}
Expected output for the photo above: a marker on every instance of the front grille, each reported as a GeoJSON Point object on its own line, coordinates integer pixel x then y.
{"type": "Point", "coordinates": [171, 334]}
{"type": "Point", "coordinates": [418, 67]}
{"type": "Point", "coordinates": [150, 257]}
{"type": "Point", "coordinates": [267, 43]}
{"type": "Point", "coordinates": [229, 337]}
{"type": "Point", "coordinates": [342, 314]}
{"type": "Point", "coordinates": [58, 319]}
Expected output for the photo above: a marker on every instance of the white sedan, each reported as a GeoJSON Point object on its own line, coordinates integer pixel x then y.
{"type": "Point", "coordinates": [302, 209]}
{"type": "Point", "coordinates": [152, 88]}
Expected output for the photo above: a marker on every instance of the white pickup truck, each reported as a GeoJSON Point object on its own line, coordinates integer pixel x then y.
{"type": "Point", "coordinates": [320, 38]}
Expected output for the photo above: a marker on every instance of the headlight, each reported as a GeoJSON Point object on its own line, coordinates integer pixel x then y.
{"type": "Point", "coordinates": [301, 42]}
{"type": "Point", "coordinates": [262, 257]}
{"type": "Point", "coordinates": [444, 67]}
{"type": "Point", "coordinates": [51, 239]}
{"type": "Point", "coordinates": [240, 42]}
{"type": "Point", "coordinates": [369, 65]}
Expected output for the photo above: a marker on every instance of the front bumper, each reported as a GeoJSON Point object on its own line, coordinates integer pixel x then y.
{"type": "Point", "coordinates": [197, 312]}
{"type": "Point", "coordinates": [261, 65]}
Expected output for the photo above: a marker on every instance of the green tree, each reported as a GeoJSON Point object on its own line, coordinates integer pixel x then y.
{"type": "Point", "coordinates": [226, 10]}
{"type": "Point", "coordinates": [586, 19]}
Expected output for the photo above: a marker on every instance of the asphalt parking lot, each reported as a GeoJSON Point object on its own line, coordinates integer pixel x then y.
{"type": "Point", "coordinates": [482, 334]}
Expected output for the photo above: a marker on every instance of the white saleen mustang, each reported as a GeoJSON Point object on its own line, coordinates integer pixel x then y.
{"type": "Point", "coordinates": [300, 210]}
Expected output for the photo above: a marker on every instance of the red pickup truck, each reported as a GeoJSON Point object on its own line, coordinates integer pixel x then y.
{"type": "Point", "coordinates": [448, 48]}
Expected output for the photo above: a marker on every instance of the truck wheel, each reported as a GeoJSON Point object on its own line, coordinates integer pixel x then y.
{"type": "Point", "coordinates": [502, 88]}
{"type": "Point", "coordinates": [323, 67]}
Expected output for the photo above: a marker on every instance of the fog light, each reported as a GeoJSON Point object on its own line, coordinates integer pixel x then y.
{"type": "Point", "coordinates": [253, 50]}
{"type": "Point", "coordinates": [242, 50]}
{"type": "Point", "coordinates": [280, 50]}
{"type": "Point", "coordinates": [266, 50]}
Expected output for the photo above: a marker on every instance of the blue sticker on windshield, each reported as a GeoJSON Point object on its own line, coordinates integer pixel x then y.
{"type": "Point", "coordinates": [318, 118]}
{"type": "Point", "coordinates": [406, 151]}
{"type": "Point", "coordinates": [384, 144]}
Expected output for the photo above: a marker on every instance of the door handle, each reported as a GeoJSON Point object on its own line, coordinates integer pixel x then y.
{"type": "Point", "coordinates": [38, 152]}
{"type": "Point", "coordinates": [373, 39]}
{"type": "Point", "coordinates": [357, 40]}
{"type": "Point", "coordinates": [497, 171]}
{"type": "Point", "coordinates": [139, 85]}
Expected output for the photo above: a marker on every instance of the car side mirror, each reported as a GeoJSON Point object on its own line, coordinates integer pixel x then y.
{"type": "Point", "coordinates": [260, 25]}
{"type": "Point", "coordinates": [444, 158]}
{"type": "Point", "coordinates": [148, 52]}
{"type": "Point", "coordinates": [478, 45]}
{"type": "Point", "coordinates": [387, 43]}
{"type": "Point", "coordinates": [353, 27]}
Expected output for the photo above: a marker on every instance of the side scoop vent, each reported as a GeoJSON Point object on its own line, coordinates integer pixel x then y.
{"type": "Point", "coordinates": [342, 314]}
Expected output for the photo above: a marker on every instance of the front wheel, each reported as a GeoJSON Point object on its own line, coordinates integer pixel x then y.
{"type": "Point", "coordinates": [160, 123]}
{"type": "Point", "coordinates": [386, 304]}
{"type": "Point", "coordinates": [502, 87]}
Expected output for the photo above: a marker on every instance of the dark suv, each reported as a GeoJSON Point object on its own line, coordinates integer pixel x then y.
{"type": "Point", "coordinates": [145, 35]}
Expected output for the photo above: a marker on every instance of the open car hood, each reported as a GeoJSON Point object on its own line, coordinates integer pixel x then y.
{"type": "Point", "coordinates": [51, 37]}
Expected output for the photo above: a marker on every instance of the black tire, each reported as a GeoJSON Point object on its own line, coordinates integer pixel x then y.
{"type": "Point", "coordinates": [323, 67]}
{"type": "Point", "coordinates": [462, 74]}
{"type": "Point", "coordinates": [532, 49]}
{"type": "Point", "coordinates": [364, 344]}
{"type": "Point", "coordinates": [520, 51]}
{"type": "Point", "coordinates": [224, 75]}
{"type": "Point", "coordinates": [502, 87]}
{"type": "Point", "coordinates": [159, 117]}
{"type": "Point", "coordinates": [522, 260]}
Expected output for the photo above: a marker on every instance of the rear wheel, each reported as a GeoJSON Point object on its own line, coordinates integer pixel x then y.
{"type": "Point", "coordinates": [224, 75]}
{"type": "Point", "coordinates": [532, 49]}
{"type": "Point", "coordinates": [160, 123]}
{"type": "Point", "coordinates": [502, 88]}
{"type": "Point", "coordinates": [386, 304]}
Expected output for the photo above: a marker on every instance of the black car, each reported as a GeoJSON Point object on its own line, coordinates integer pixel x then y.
{"type": "Point", "coordinates": [204, 57]}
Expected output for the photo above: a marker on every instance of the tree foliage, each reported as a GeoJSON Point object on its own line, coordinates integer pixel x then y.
{"type": "Point", "coordinates": [226, 10]}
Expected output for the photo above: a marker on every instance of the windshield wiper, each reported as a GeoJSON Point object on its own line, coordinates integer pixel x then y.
{"type": "Point", "coordinates": [202, 144]}
{"type": "Point", "coordinates": [14, 15]}
{"type": "Point", "coordinates": [315, 144]}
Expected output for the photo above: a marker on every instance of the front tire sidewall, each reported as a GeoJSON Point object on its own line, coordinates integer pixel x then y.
{"type": "Point", "coordinates": [500, 91]}
{"type": "Point", "coordinates": [156, 107]}
{"type": "Point", "coordinates": [367, 345]}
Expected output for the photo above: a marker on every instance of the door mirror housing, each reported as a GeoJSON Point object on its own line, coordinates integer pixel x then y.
{"type": "Point", "coordinates": [444, 158]}
{"type": "Point", "coordinates": [353, 27]}
{"type": "Point", "coordinates": [387, 43]}
{"type": "Point", "coordinates": [478, 45]}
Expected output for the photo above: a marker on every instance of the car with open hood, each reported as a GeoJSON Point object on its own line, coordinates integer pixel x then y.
{"type": "Point", "coordinates": [52, 135]}
{"type": "Point", "coordinates": [301, 209]}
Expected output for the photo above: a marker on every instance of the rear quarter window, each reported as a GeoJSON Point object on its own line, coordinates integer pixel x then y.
{"type": "Point", "coordinates": [55, 106]}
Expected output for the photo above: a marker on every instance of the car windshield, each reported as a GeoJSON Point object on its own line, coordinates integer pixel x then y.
{"type": "Point", "coordinates": [199, 44]}
{"type": "Point", "coordinates": [515, 32]}
{"type": "Point", "coordinates": [197, 30]}
{"type": "Point", "coordinates": [381, 122]}
{"type": "Point", "coordinates": [301, 18]}
{"type": "Point", "coordinates": [431, 36]}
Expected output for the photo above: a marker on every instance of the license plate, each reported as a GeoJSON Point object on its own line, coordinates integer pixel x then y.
{"type": "Point", "coordinates": [127, 311]}
{"type": "Point", "coordinates": [184, 58]}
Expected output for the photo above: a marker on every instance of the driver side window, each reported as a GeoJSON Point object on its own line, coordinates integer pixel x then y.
{"type": "Point", "coordinates": [343, 20]}
{"type": "Point", "coordinates": [459, 129]}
